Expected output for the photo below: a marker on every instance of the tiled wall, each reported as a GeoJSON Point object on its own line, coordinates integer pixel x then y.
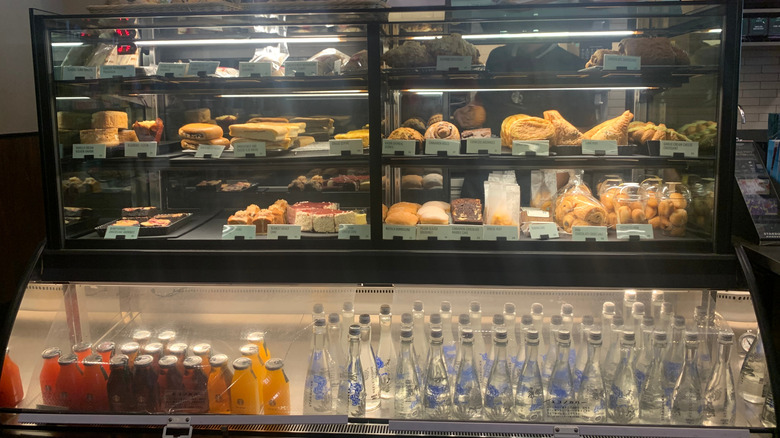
{"type": "Point", "coordinates": [759, 86]}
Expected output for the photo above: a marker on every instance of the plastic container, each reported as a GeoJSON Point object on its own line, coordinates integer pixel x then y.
{"type": "Point", "coordinates": [673, 202]}
{"type": "Point", "coordinates": [630, 204]}
{"type": "Point", "coordinates": [702, 204]}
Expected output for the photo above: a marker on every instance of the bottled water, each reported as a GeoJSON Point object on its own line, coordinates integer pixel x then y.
{"type": "Point", "coordinates": [687, 396]}
{"type": "Point", "coordinates": [629, 298]}
{"type": "Point", "coordinates": [657, 302]}
{"type": "Point", "coordinates": [549, 359]}
{"type": "Point", "coordinates": [338, 364]}
{"type": "Point", "coordinates": [654, 402]}
{"type": "Point", "coordinates": [581, 358]}
{"type": "Point", "coordinates": [407, 403]}
{"type": "Point", "coordinates": [480, 350]}
{"type": "Point", "coordinates": [704, 358]}
{"type": "Point", "coordinates": [607, 320]}
{"type": "Point", "coordinates": [498, 325]}
{"type": "Point", "coordinates": [720, 397]}
{"type": "Point", "coordinates": [591, 396]}
{"type": "Point", "coordinates": [768, 418]}
{"type": "Point", "coordinates": [637, 314]}
{"type": "Point", "coordinates": [612, 359]}
{"type": "Point", "coordinates": [526, 324]}
{"type": "Point", "coordinates": [674, 357]}
{"type": "Point", "coordinates": [347, 319]}
{"type": "Point", "coordinates": [420, 337]}
{"type": "Point", "coordinates": [567, 319]}
{"type": "Point", "coordinates": [368, 361]}
{"type": "Point", "coordinates": [385, 354]}
{"type": "Point", "coordinates": [436, 390]}
{"type": "Point", "coordinates": [644, 357]}
{"type": "Point", "coordinates": [317, 312]}
{"type": "Point", "coordinates": [623, 405]}
{"type": "Point", "coordinates": [467, 399]}
{"type": "Point", "coordinates": [448, 345]}
{"type": "Point", "coordinates": [537, 314]}
{"type": "Point", "coordinates": [407, 321]}
{"type": "Point", "coordinates": [352, 390]}
{"type": "Point", "coordinates": [560, 390]}
{"type": "Point", "coordinates": [317, 395]}
{"type": "Point", "coordinates": [667, 318]}
{"type": "Point", "coordinates": [529, 397]}
{"type": "Point", "coordinates": [752, 376]}
{"type": "Point", "coordinates": [499, 397]}
{"type": "Point", "coordinates": [510, 317]}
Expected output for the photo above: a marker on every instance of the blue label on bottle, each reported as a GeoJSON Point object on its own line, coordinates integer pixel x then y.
{"type": "Point", "coordinates": [640, 379]}
{"type": "Point", "coordinates": [319, 387]}
{"type": "Point", "coordinates": [355, 389]}
{"type": "Point", "coordinates": [379, 365]}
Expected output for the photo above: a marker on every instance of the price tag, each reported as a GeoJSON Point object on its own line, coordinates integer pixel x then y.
{"type": "Point", "coordinates": [111, 71]}
{"type": "Point", "coordinates": [95, 150]}
{"type": "Point", "coordinates": [347, 231]}
{"type": "Point", "coordinates": [212, 150]}
{"type": "Point", "coordinates": [403, 232]}
{"type": "Point", "coordinates": [398, 147]}
{"type": "Point", "coordinates": [232, 232]}
{"type": "Point", "coordinates": [501, 232]}
{"type": "Point", "coordinates": [478, 145]}
{"type": "Point", "coordinates": [537, 147]}
{"type": "Point", "coordinates": [437, 232]}
{"type": "Point", "coordinates": [449, 147]}
{"type": "Point", "coordinates": [71, 72]}
{"type": "Point", "coordinates": [583, 234]}
{"type": "Point", "coordinates": [289, 232]}
{"type": "Point", "coordinates": [687, 148]}
{"type": "Point", "coordinates": [617, 62]}
{"type": "Point", "coordinates": [133, 148]}
{"type": "Point", "coordinates": [127, 233]}
{"type": "Point", "coordinates": [205, 67]}
{"type": "Point", "coordinates": [353, 146]}
{"type": "Point", "coordinates": [241, 149]}
{"type": "Point", "coordinates": [540, 229]}
{"type": "Point", "coordinates": [599, 147]}
{"type": "Point", "coordinates": [445, 63]}
{"type": "Point", "coordinates": [625, 231]}
{"type": "Point", "coordinates": [298, 68]}
{"type": "Point", "coordinates": [177, 69]}
{"type": "Point", "coordinates": [466, 232]}
{"type": "Point", "coordinates": [247, 69]}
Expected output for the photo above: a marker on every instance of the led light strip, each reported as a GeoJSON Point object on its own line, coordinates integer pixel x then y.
{"type": "Point", "coordinates": [307, 95]}
{"type": "Point", "coordinates": [539, 35]}
{"type": "Point", "coordinates": [221, 42]}
{"type": "Point", "coordinates": [433, 91]}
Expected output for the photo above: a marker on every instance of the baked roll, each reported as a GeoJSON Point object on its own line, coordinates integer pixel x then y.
{"type": "Point", "coordinates": [436, 118]}
{"type": "Point", "coordinates": [598, 57]}
{"type": "Point", "coordinates": [408, 134]}
{"type": "Point", "coordinates": [401, 217]}
{"type": "Point", "coordinates": [443, 130]}
{"type": "Point", "coordinates": [415, 123]}
{"type": "Point", "coordinates": [470, 116]}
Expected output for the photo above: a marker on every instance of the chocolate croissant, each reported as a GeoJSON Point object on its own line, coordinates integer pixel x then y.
{"type": "Point", "coordinates": [443, 130]}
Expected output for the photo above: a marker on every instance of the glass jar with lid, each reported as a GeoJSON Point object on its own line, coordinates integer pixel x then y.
{"type": "Point", "coordinates": [702, 204]}
{"type": "Point", "coordinates": [630, 203]}
{"type": "Point", "coordinates": [673, 203]}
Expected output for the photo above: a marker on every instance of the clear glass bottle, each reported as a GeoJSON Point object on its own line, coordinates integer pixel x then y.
{"type": "Point", "coordinates": [385, 354]}
{"type": "Point", "coordinates": [317, 312]}
{"type": "Point", "coordinates": [752, 375]}
{"type": "Point", "coordinates": [407, 396]}
{"type": "Point", "coordinates": [674, 356]}
{"type": "Point", "coordinates": [644, 356]}
{"type": "Point", "coordinates": [526, 324]}
{"type": "Point", "coordinates": [407, 321]}
{"type": "Point", "coordinates": [591, 395]}
{"type": "Point", "coordinates": [567, 317]}
{"type": "Point", "coordinates": [347, 319]}
{"type": "Point", "coordinates": [629, 298]}
{"type": "Point", "coordinates": [480, 349]}
{"type": "Point", "coordinates": [657, 302]}
{"type": "Point", "coordinates": [560, 390]}
{"type": "Point", "coordinates": [420, 337]}
{"type": "Point", "coordinates": [529, 396]}
{"type": "Point", "coordinates": [537, 314]}
{"type": "Point", "coordinates": [581, 358]}
{"type": "Point", "coordinates": [623, 405]}
{"type": "Point", "coordinates": [704, 357]}
{"type": "Point", "coordinates": [637, 314]}
{"type": "Point", "coordinates": [449, 345]}
{"type": "Point", "coordinates": [467, 398]}
{"type": "Point", "coordinates": [687, 400]}
{"type": "Point", "coordinates": [338, 357]}
{"type": "Point", "coordinates": [667, 318]}
{"type": "Point", "coordinates": [612, 359]}
{"type": "Point", "coordinates": [352, 389]}
{"type": "Point", "coordinates": [368, 361]}
{"type": "Point", "coordinates": [549, 359]}
{"type": "Point", "coordinates": [607, 319]}
{"type": "Point", "coordinates": [510, 321]}
{"type": "Point", "coordinates": [654, 402]}
{"type": "Point", "coordinates": [317, 391]}
{"type": "Point", "coordinates": [464, 323]}
{"type": "Point", "coordinates": [499, 396]}
{"type": "Point", "coordinates": [768, 418]}
{"type": "Point", "coordinates": [498, 325]}
{"type": "Point", "coordinates": [720, 397]}
{"type": "Point", "coordinates": [437, 401]}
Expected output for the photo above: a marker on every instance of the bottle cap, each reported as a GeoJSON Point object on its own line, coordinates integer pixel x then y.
{"type": "Point", "coordinates": [201, 349]}
{"type": "Point", "coordinates": [638, 308]}
{"type": "Point", "coordinates": [348, 306]}
{"type": "Point", "coordinates": [692, 336]}
{"type": "Point", "coordinates": [556, 320]}
{"type": "Point", "coordinates": [658, 295]}
{"type": "Point", "coordinates": [384, 309]}
{"type": "Point", "coordinates": [608, 308]}
{"type": "Point", "coordinates": [93, 359]}
{"type": "Point", "coordinates": [446, 306]}
{"type": "Point", "coordinates": [532, 335]}
{"type": "Point", "coordinates": [564, 335]}
{"type": "Point", "coordinates": [417, 306]}
{"type": "Point", "coordinates": [142, 335]}
{"type": "Point", "coordinates": [218, 360]}
{"type": "Point", "coordinates": [153, 348]}
{"type": "Point", "coordinates": [319, 322]}
{"type": "Point", "coordinates": [628, 336]}
{"type": "Point", "coordinates": [406, 332]}
{"type": "Point", "coordinates": [354, 330]}
{"type": "Point", "coordinates": [241, 363]}
{"type": "Point", "coordinates": [594, 336]}
{"type": "Point", "coordinates": [629, 295]}
{"type": "Point", "coordinates": [68, 359]}
{"type": "Point", "coordinates": [105, 347]}
{"type": "Point", "coordinates": [537, 308]}
{"type": "Point", "coordinates": [567, 309]}
{"type": "Point", "coordinates": [501, 335]}
{"type": "Point", "coordinates": [178, 348]}
{"type": "Point", "coordinates": [666, 307]}
{"type": "Point", "coordinates": [364, 319]}
{"type": "Point", "coordinates": [166, 336]}
{"type": "Point", "coordinates": [255, 337]}
{"type": "Point", "coordinates": [648, 320]}
{"type": "Point", "coordinates": [475, 307]}
{"type": "Point", "coordinates": [679, 321]}
{"type": "Point", "coordinates": [436, 333]}
{"type": "Point", "coordinates": [435, 318]}
{"type": "Point", "coordinates": [249, 350]}
{"type": "Point", "coordinates": [193, 362]}
{"type": "Point", "coordinates": [587, 320]}
{"type": "Point", "coordinates": [660, 336]}
{"type": "Point", "coordinates": [51, 353]}
{"type": "Point", "coordinates": [143, 360]}
{"type": "Point", "coordinates": [81, 346]}
{"type": "Point", "coordinates": [274, 364]}
{"type": "Point", "coordinates": [699, 311]}
{"type": "Point", "coordinates": [118, 361]}
{"type": "Point", "coordinates": [464, 319]}
{"type": "Point", "coordinates": [130, 348]}
{"type": "Point", "coordinates": [168, 361]}
{"type": "Point", "coordinates": [618, 321]}
{"type": "Point", "coordinates": [467, 334]}
{"type": "Point", "coordinates": [406, 318]}
{"type": "Point", "coordinates": [509, 308]}
{"type": "Point", "coordinates": [498, 319]}
{"type": "Point", "coordinates": [317, 308]}
{"type": "Point", "coordinates": [334, 318]}
{"type": "Point", "coordinates": [526, 320]}
{"type": "Point", "coordinates": [725, 337]}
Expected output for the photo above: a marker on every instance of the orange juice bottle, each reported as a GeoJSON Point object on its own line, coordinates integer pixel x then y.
{"type": "Point", "coordinates": [11, 391]}
{"type": "Point", "coordinates": [142, 337]}
{"type": "Point", "coordinates": [166, 338]}
{"type": "Point", "coordinates": [244, 390]}
{"type": "Point", "coordinates": [220, 379]}
{"type": "Point", "coordinates": [49, 373]}
{"type": "Point", "coordinates": [276, 389]}
{"type": "Point", "coordinates": [250, 351]}
{"type": "Point", "coordinates": [179, 350]}
{"type": "Point", "coordinates": [258, 338]}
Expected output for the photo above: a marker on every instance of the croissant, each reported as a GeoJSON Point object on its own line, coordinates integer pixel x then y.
{"type": "Point", "coordinates": [505, 140]}
{"type": "Point", "coordinates": [531, 128]}
{"type": "Point", "coordinates": [443, 130]}
{"type": "Point", "coordinates": [565, 133]}
{"type": "Point", "coordinates": [614, 129]}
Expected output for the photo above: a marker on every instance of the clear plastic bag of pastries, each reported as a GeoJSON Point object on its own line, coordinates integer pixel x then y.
{"type": "Point", "coordinates": [574, 205]}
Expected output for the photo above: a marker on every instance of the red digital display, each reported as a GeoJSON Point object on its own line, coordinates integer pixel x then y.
{"type": "Point", "coordinates": [125, 33]}
{"type": "Point", "coordinates": [126, 49]}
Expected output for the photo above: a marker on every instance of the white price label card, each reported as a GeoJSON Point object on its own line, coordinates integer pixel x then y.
{"type": "Point", "coordinates": [71, 72]}
{"type": "Point", "coordinates": [251, 148]}
{"type": "Point", "coordinates": [354, 232]}
{"type": "Point", "coordinates": [112, 71]}
{"type": "Point", "coordinates": [126, 233]}
{"type": "Point", "coordinates": [83, 150]}
{"type": "Point", "coordinates": [238, 232]}
{"type": "Point", "coordinates": [642, 231]}
{"type": "Point", "coordinates": [212, 150]}
{"type": "Point", "coordinates": [599, 147]}
{"type": "Point", "coordinates": [346, 147]}
{"type": "Point", "coordinates": [531, 147]}
{"type": "Point", "coordinates": [402, 232]}
{"type": "Point", "coordinates": [466, 232]}
{"type": "Point", "coordinates": [298, 68]}
{"type": "Point", "coordinates": [543, 230]}
{"type": "Point", "coordinates": [434, 232]}
{"type": "Point", "coordinates": [584, 234]}
{"type": "Point", "coordinates": [501, 232]}
{"type": "Point", "coordinates": [436, 146]}
{"type": "Point", "coordinates": [480, 145]}
{"type": "Point", "coordinates": [202, 67]}
{"type": "Point", "coordinates": [247, 69]}
{"type": "Point", "coordinates": [398, 147]}
{"type": "Point", "coordinates": [177, 69]}
{"type": "Point", "coordinates": [617, 62]}
{"type": "Point", "coordinates": [133, 148]}
{"type": "Point", "coordinates": [289, 232]}
{"type": "Point", "coordinates": [687, 148]}
{"type": "Point", "coordinates": [445, 63]}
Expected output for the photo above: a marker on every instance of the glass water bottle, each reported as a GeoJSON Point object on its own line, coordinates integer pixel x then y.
{"type": "Point", "coordinates": [499, 396]}
{"type": "Point", "coordinates": [317, 395]}
{"type": "Point", "coordinates": [467, 397]}
{"type": "Point", "coordinates": [529, 397]}
{"type": "Point", "coordinates": [720, 398]}
{"type": "Point", "coordinates": [654, 402]}
{"type": "Point", "coordinates": [437, 391]}
{"type": "Point", "coordinates": [687, 400]}
{"type": "Point", "coordinates": [385, 354]}
{"type": "Point", "coordinates": [407, 398]}
{"type": "Point", "coordinates": [591, 396]}
{"type": "Point", "coordinates": [623, 404]}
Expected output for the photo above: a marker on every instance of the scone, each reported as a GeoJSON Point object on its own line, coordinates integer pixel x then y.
{"type": "Point", "coordinates": [415, 123]}
{"type": "Point", "coordinates": [598, 57]}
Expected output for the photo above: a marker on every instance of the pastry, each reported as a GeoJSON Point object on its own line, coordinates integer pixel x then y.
{"type": "Point", "coordinates": [401, 217]}
{"type": "Point", "coordinates": [433, 215]}
{"type": "Point", "coordinates": [505, 140]}
{"type": "Point", "coordinates": [303, 140]}
{"type": "Point", "coordinates": [361, 134]}
{"type": "Point", "coordinates": [613, 129]}
{"type": "Point", "coordinates": [200, 131]}
{"type": "Point", "coordinates": [443, 130]}
{"type": "Point", "coordinates": [108, 137]}
{"type": "Point", "coordinates": [432, 181]}
{"type": "Point", "coordinates": [408, 134]}
{"type": "Point", "coordinates": [126, 223]}
{"type": "Point", "coordinates": [292, 210]}
{"type": "Point", "coordinates": [574, 206]}
{"type": "Point", "coordinates": [411, 182]}
{"type": "Point", "coordinates": [408, 55]}
{"type": "Point", "coordinates": [156, 223]}
{"type": "Point", "coordinates": [209, 185]}
{"type": "Point", "coordinates": [440, 204]}
{"type": "Point", "coordinates": [703, 131]}
{"type": "Point", "coordinates": [640, 133]}
{"type": "Point", "coordinates": [415, 123]}
{"type": "Point", "coordinates": [192, 145]}
{"type": "Point", "coordinates": [139, 211]}
{"type": "Point", "coordinates": [149, 130]}
{"type": "Point", "coordinates": [531, 128]}
{"type": "Point", "coordinates": [476, 133]}
{"type": "Point", "coordinates": [451, 45]}
{"type": "Point", "coordinates": [384, 212]}
{"type": "Point", "coordinates": [260, 131]}
{"type": "Point", "coordinates": [235, 187]}
{"type": "Point", "coordinates": [127, 135]}
{"type": "Point", "coordinates": [73, 121]}
{"type": "Point", "coordinates": [653, 51]}
{"type": "Point", "coordinates": [598, 57]}
{"type": "Point", "coordinates": [470, 116]}
{"type": "Point", "coordinates": [436, 118]}
{"type": "Point", "coordinates": [225, 121]}
{"type": "Point", "coordinates": [200, 115]}
{"type": "Point", "coordinates": [357, 62]}
{"type": "Point", "coordinates": [109, 119]}
{"type": "Point", "coordinates": [565, 133]}
{"type": "Point", "coordinates": [467, 211]}
{"type": "Point", "coordinates": [408, 206]}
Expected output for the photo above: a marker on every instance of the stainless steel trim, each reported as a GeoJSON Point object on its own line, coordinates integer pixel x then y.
{"type": "Point", "coordinates": [195, 420]}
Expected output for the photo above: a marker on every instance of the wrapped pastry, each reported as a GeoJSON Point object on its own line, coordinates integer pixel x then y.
{"type": "Point", "coordinates": [531, 128]}
{"type": "Point", "coordinates": [408, 55]}
{"type": "Point", "coordinates": [358, 62]}
{"type": "Point", "coordinates": [329, 61]}
{"type": "Point", "coordinates": [613, 129]}
{"type": "Point", "coordinates": [653, 51]}
{"type": "Point", "coordinates": [443, 130]}
{"type": "Point", "coordinates": [470, 116]}
{"type": "Point", "coordinates": [565, 133]}
{"type": "Point", "coordinates": [502, 199]}
{"type": "Point", "coordinates": [575, 206]}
